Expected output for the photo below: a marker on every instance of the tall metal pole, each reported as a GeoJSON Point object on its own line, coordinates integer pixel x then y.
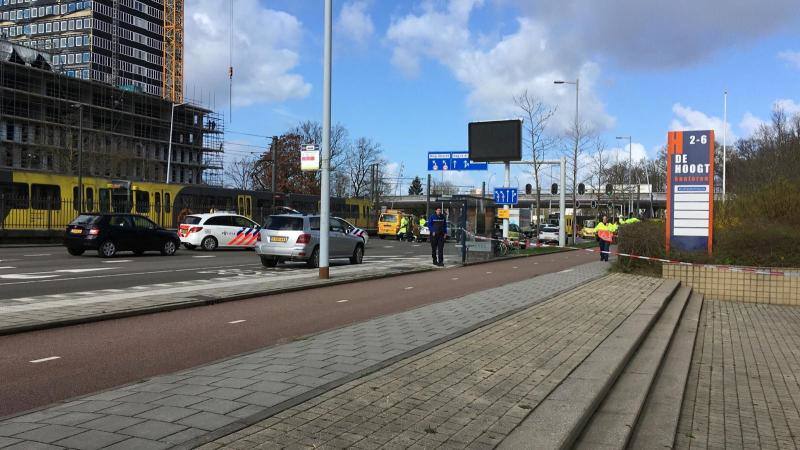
{"type": "Point", "coordinates": [630, 174]}
{"type": "Point", "coordinates": [325, 213]}
{"type": "Point", "coordinates": [506, 183]}
{"type": "Point", "coordinates": [274, 177]}
{"type": "Point", "coordinates": [80, 158]}
{"type": "Point", "coordinates": [562, 238]}
{"type": "Point", "coordinates": [428, 199]}
{"type": "Point", "coordinates": [169, 146]}
{"type": "Point", "coordinates": [575, 169]}
{"type": "Point", "coordinates": [724, 143]}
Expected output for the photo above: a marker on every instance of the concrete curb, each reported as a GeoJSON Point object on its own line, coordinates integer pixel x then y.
{"type": "Point", "coordinates": [244, 296]}
{"type": "Point", "coordinates": [294, 401]}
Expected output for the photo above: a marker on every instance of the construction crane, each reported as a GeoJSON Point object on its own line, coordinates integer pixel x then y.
{"type": "Point", "coordinates": [172, 74]}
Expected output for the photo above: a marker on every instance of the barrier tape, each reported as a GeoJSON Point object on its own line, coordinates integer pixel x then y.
{"type": "Point", "coordinates": [727, 268]}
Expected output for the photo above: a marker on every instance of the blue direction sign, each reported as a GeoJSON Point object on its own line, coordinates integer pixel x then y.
{"type": "Point", "coordinates": [438, 161]}
{"type": "Point", "coordinates": [505, 196]}
{"type": "Point", "coordinates": [460, 161]}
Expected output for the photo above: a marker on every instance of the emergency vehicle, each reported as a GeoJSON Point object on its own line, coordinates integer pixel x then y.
{"type": "Point", "coordinates": [218, 230]}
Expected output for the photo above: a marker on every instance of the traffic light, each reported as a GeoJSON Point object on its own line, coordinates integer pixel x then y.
{"type": "Point", "coordinates": [528, 189]}
{"type": "Point", "coordinates": [554, 189]}
{"type": "Point", "coordinates": [581, 188]}
{"type": "Point", "coordinates": [609, 189]}
{"type": "Point", "coordinates": [594, 204]}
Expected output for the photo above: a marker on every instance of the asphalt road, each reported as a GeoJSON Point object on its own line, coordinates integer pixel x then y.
{"type": "Point", "coordinates": [100, 355]}
{"type": "Point", "coordinates": [34, 271]}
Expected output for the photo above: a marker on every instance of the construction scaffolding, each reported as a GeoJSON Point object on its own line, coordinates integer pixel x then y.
{"type": "Point", "coordinates": [46, 119]}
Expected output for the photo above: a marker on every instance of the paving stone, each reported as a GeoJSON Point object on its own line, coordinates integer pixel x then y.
{"type": "Point", "coordinates": [263, 399]}
{"type": "Point", "coordinates": [179, 400]}
{"type": "Point", "coordinates": [72, 418]}
{"type": "Point", "coordinates": [91, 440]}
{"type": "Point", "coordinates": [138, 444]}
{"type": "Point", "coordinates": [111, 423]}
{"type": "Point", "coordinates": [272, 387]}
{"type": "Point", "coordinates": [6, 441]}
{"type": "Point", "coordinates": [227, 393]}
{"type": "Point", "coordinates": [167, 413]}
{"type": "Point", "coordinates": [12, 428]}
{"type": "Point", "coordinates": [207, 421]}
{"type": "Point", "coordinates": [152, 429]}
{"type": "Point", "coordinates": [218, 406]}
{"type": "Point", "coordinates": [49, 433]}
{"type": "Point", "coordinates": [185, 435]}
{"type": "Point", "coordinates": [27, 445]}
{"type": "Point", "coordinates": [129, 409]}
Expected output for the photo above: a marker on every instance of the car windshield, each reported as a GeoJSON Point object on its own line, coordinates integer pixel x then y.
{"type": "Point", "coordinates": [550, 230]}
{"type": "Point", "coordinates": [284, 223]}
{"type": "Point", "coordinates": [391, 218]}
{"type": "Point", "coordinates": [191, 220]}
{"type": "Point", "coordinates": [85, 219]}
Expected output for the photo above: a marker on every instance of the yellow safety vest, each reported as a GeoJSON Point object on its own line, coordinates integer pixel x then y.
{"type": "Point", "coordinates": [605, 231]}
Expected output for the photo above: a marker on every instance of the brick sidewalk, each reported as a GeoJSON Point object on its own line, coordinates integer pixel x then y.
{"type": "Point", "coordinates": [743, 389]}
{"type": "Point", "coordinates": [468, 393]}
{"type": "Point", "coordinates": [175, 409]}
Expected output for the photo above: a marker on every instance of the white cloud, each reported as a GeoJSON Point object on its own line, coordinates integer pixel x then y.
{"type": "Point", "coordinates": [355, 23]}
{"type": "Point", "coordinates": [495, 69]}
{"type": "Point", "coordinates": [790, 107]}
{"type": "Point", "coordinates": [750, 124]}
{"type": "Point", "coordinates": [656, 34]}
{"type": "Point", "coordinates": [622, 154]}
{"type": "Point", "coordinates": [687, 118]}
{"type": "Point", "coordinates": [792, 58]}
{"type": "Point", "coordinates": [264, 57]}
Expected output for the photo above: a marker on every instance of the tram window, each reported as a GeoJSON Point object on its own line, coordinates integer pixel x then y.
{"type": "Point", "coordinates": [15, 195]}
{"type": "Point", "coordinates": [45, 196]}
{"type": "Point", "coordinates": [158, 202]}
{"type": "Point", "coordinates": [89, 199]}
{"type": "Point", "coordinates": [142, 201]}
{"type": "Point", "coordinates": [105, 200]}
{"type": "Point", "coordinates": [167, 204]}
{"type": "Point", "coordinates": [75, 194]}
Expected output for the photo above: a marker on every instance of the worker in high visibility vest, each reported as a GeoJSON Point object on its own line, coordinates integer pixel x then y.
{"type": "Point", "coordinates": [403, 231]}
{"type": "Point", "coordinates": [604, 233]}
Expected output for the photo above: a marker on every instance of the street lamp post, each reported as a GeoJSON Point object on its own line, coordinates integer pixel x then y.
{"type": "Point", "coordinates": [577, 84]}
{"type": "Point", "coordinates": [630, 170]}
{"type": "Point", "coordinates": [324, 270]}
{"type": "Point", "coordinates": [169, 146]}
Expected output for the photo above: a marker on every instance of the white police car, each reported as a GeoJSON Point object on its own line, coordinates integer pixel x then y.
{"type": "Point", "coordinates": [355, 231]}
{"type": "Point", "coordinates": [218, 230]}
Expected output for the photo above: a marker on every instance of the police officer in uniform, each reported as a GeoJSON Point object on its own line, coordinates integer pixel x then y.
{"type": "Point", "coordinates": [437, 224]}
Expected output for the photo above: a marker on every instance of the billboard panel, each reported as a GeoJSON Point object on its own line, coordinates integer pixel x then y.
{"type": "Point", "coordinates": [690, 190]}
{"type": "Point", "coordinates": [495, 141]}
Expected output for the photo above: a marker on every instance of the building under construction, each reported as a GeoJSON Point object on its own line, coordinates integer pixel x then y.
{"type": "Point", "coordinates": [47, 119]}
{"type": "Point", "coordinates": [133, 44]}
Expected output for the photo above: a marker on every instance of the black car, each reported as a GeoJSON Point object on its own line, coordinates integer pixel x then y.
{"type": "Point", "coordinates": [109, 233]}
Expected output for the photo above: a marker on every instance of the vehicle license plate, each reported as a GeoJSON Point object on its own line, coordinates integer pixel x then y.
{"type": "Point", "coordinates": [278, 239]}
{"type": "Point", "coordinates": [76, 231]}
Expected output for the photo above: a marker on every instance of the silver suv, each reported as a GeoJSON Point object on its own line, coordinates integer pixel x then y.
{"type": "Point", "coordinates": [295, 237]}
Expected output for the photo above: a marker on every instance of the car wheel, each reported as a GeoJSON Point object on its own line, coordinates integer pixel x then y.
{"type": "Point", "coordinates": [168, 248]}
{"type": "Point", "coordinates": [107, 249]}
{"type": "Point", "coordinates": [189, 246]}
{"type": "Point", "coordinates": [75, 251]}
{"type": "Point", "coordinates": [269, 261]}
{"type": "Point", "coordinates": [209, 243]}
{"type": "Point", "coordinates": [313, 261]}
{"type": "Point", "coordinates": [358, 255]}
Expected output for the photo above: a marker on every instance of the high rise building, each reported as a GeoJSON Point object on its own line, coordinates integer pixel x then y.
{"type": "Point", "coordinates": [119, 42]}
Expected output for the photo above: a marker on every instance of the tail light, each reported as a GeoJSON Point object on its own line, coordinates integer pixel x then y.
{"type": "Point", "coordinates": [94, 231]}
{"type": "Point", "coordinates": [304, 238]}
{"type": "Point", "coordinates": [195, 229]}
{"type": "Point", "coordinates": [258, 237]}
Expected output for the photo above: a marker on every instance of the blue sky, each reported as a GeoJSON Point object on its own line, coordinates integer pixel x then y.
{"type": "Point", "coordinates": [412, 74]}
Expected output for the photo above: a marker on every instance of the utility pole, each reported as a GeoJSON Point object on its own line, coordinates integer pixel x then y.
{"type": "Point", "coordinates": [428, 199]}
{"type": "Point", "coordinates": [274, 177]}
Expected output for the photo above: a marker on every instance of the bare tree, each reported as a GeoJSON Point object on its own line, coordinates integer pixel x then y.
{"type": "Point", "coordinates": [239, 173]}
{"type": "Point", "coordinates": [578, 138]}
{"type": "Point", "coordinates": [310, 132]}
{"type": "Point", "coordinates": [362, 155]}
{"type": "Point", "coordinates": [537, 114]}
{"type": "Point", "coordinates": [599, 166]}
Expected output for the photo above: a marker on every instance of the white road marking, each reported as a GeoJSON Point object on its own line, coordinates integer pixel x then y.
{"type": "Point", "coordinates": [515, 267]}
{"type": "Point", "coordinates": [388, 246]}
{"type": "Point", "coordinates": [454, 278]}
{"type": "Point", "coordinates": [204, 256]}
{"type": "Point", "coordinates": [40, 254]}
{"type": "Point", "coordinates": [565, 271]}
{"type": "Point", "coordinates": [488, 273]}
{"type": "Point", "coordinates": [7, 267]}
{"type": "Point", "coordinates": [237, 321]}
{"type": "Point", "coordinates": [342, 301]}
{"type": "Point", "coordinates": [36, 361]}
{"type": "Point", "coordinates": [94, 269]}
{"type": "Point", "coordinates": [408, 288]}
{"type": "Point", "coordinates": [115, 261]}
{"type": "Point", "coordinates": [25, 276]}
